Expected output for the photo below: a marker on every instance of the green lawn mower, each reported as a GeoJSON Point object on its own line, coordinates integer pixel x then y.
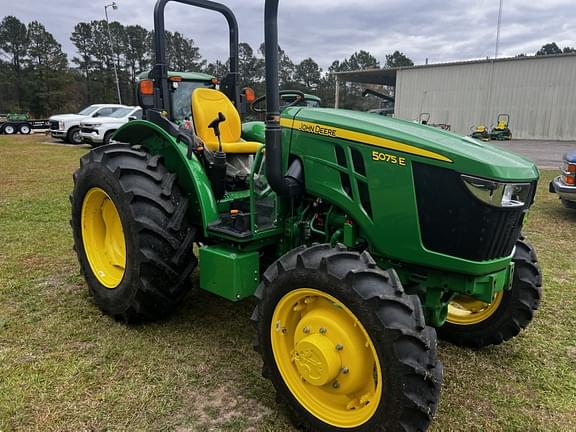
{"type": "Point", "coordinates": [501, 132]}
{"type": "Point", "coordinates": [480, 132]}
{"type": "Point", "coordinates": [359, 235]}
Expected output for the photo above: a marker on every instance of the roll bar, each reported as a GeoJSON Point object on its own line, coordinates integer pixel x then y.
{"type": "Point", "coordinates": [160, 70]}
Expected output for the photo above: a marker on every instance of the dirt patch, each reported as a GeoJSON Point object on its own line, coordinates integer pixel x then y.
{"type": "Point", "coordinates": [220, 407]}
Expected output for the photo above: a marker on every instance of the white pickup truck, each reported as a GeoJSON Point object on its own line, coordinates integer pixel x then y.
{"type": "Point", "coordinates": [99, 131]}
{"type": "Point", "coordinates": [67, 126]}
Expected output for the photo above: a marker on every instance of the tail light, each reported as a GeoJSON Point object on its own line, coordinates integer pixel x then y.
{"type": "Point", "coordinates": [569, 173]}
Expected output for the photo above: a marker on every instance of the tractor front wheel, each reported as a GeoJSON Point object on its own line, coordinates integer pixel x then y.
{"type": "Point", "coordinates": [131, 232]}
{"type": "Point", "coordinates": [472, 323]}
{"type": "Point", "coordinates": [345, 347]}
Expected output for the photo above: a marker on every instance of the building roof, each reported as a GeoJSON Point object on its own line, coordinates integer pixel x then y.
{"type": "Point", "coordinates": [387, 76]}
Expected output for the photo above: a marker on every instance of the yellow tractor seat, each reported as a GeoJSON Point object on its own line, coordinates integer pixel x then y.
{"type": "Point", "coordinates": [502, 125]}
{"type": "Point", "coordinates": [206, 104]}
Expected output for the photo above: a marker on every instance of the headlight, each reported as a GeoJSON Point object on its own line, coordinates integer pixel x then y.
{"type": "Point", "coordinates": [498, 194]}
{"type": "Point", "coordinates": [60, 125]}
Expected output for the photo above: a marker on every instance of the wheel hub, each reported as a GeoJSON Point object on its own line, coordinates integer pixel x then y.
{"type": "Point", "coordinates": [326, 357]}
{"type": "Point", "coordinates": [465, 310]}
{"type": "Point", "coordinates": [103, 238]}
{"type": "Point", "coordinates": [317, 360]}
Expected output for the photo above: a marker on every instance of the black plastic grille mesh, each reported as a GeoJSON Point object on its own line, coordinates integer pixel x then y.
{"type": "Point", "coordinates": [455, 223]}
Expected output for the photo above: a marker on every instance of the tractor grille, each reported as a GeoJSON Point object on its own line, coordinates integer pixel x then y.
{"type": "Point", "coordinates": [54, 125]}
{"type": "Point", "coordinates": [455, 223]}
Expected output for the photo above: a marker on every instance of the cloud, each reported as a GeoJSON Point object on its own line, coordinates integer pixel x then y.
{"type": "Point", "coordinates": [326, 30]}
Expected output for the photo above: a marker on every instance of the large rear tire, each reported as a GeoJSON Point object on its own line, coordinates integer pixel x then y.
{"type": "Point", "coordinates": [345, 347]}
{"type": "Point", "coordinates": [131, 232]}
{"type": "Point", "coordinates": [472, 323]}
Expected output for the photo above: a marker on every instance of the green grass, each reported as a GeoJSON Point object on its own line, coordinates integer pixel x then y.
{"type": "Point", "coordinates": [66, 367]}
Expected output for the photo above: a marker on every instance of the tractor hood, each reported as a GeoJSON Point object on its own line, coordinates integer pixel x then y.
{"type": "Point", "coordinates": [463, 154]}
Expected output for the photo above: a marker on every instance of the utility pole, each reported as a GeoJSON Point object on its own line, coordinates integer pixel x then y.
{"type": "Point", "coordinates": [498, 29]}
{"type": "Point", "coordinates": [114, 7]}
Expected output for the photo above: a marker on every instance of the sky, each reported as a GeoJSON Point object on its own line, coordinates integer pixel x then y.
{"type": "Point", "coordinates": [327, 30]}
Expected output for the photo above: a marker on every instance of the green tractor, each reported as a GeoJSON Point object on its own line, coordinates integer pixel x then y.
{"type": "Point", "coordinates": [358, 235]}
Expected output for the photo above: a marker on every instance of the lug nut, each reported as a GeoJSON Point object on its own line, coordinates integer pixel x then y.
{"type": "Point", "coordinates": [323, 330]}
{"type": "Point", "coordinates": [306, 330]}
{"type": "Point", "coordinates": [345, 370]}
{"type": "Point", "coordinates": [339, 347]}
{"type": "Point", "coordinates": [335, 384]}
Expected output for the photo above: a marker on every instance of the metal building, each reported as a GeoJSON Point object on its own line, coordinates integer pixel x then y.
{"type": "Point", "coordinates": [539, 93]}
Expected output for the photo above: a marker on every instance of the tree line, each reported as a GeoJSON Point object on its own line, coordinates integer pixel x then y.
{"type": "Point", "coordinates": [37, 76]}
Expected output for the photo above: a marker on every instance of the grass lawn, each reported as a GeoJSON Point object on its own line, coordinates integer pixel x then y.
{"type": "Point", "coordinates": [66, 367]}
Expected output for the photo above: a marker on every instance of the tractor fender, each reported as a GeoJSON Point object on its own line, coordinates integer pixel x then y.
{"type": "Point", "coordinates": [190, 173]}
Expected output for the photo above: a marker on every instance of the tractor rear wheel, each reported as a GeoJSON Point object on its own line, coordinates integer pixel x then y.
{"type": "Point", "coordinates": [472, 323]}
{"type": "Point", "coordinates": [345, 347]}
{"type": "Point", "coordinates": [131, 234]}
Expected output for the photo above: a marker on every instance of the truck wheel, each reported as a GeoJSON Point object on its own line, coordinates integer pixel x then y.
{"type": "Point", "coordinates": [9, 129]}
{"type": "Point", "coordinates": [73, 136]}
{"type": "Point", "coordinates": [25, 129]}
{"type": "Point", "coordinates": [475, 324]}
{"type": "Point", "coordinates": [108, 137]}
{"type": "Point", "coordinates": [344, 345]}
{"type": "Point", "coordinates": [131, 234]}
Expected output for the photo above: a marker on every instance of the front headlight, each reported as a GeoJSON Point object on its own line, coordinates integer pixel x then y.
{"type": "Point", "coordinates": [498, 194]}
{"type": "Point", "coordinates": [61, 125]}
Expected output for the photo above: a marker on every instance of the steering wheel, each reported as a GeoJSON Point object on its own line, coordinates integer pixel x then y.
{"type": "Point", "coordinates": [299, 98]}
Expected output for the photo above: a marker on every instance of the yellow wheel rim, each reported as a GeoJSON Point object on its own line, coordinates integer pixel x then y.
{"type": "Point", "coordinates": [464, 310]}
{"type": "Point", "coordinates": [326, 358]}
{"type": "Point", "coordinates": [103, 238]}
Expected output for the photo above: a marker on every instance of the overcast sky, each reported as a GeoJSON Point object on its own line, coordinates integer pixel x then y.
{"type": "Point", "coordinates": [326, 30]}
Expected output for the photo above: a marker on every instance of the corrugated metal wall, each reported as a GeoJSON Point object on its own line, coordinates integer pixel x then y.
{"type": "Point", "coordinates": [539, 93]}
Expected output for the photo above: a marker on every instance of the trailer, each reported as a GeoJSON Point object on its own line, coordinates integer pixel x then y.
{"type": "Point", "coordinates": [11, 124]}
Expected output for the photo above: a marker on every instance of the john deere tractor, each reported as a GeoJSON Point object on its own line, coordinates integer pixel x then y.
{"type": "Point", "coordinates": [358, 234]}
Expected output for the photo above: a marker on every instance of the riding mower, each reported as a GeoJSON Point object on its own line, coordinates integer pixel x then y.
{"type": "Point", "coordinates": [357, 234]}
{"type": "Point", "coordinates": [480, 132]}
{"type": "Point", "coordinates": [501, 132]}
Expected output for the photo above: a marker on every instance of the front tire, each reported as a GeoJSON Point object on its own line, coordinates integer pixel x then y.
{"type": "Point", "coordinates": [108, 137]}
{"type": "Point", "coordinates": [131, 233]}
{"type": "Point", "coordinates": [345, 347]}
{"type": "Point", "coordinates": [73, 136]}
{"type": "Point", "coordinates": [474, 324]}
